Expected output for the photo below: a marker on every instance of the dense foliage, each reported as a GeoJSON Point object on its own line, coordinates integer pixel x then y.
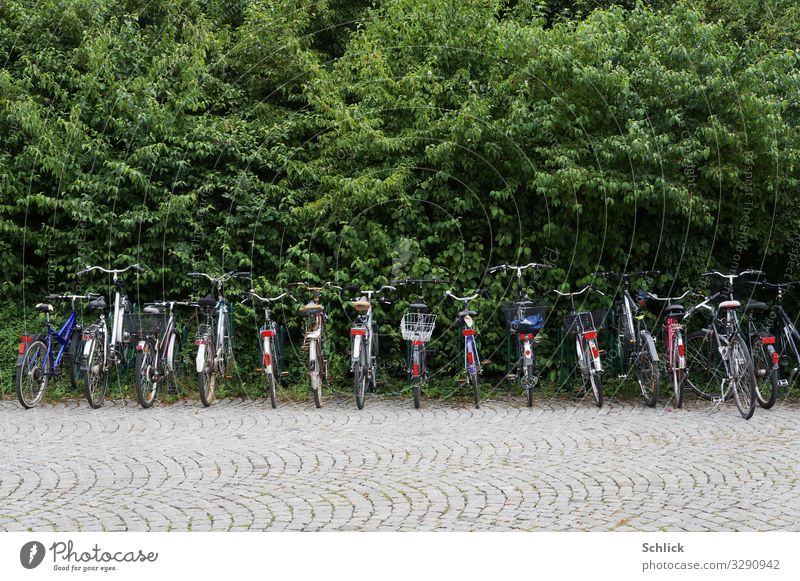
{"type": "Point", "coordinates": [341, 140]}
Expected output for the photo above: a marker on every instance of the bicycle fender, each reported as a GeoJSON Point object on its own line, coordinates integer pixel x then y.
{"type": "Point", "coordinates": [651, 346]}
{"type": "Point", "coordinates": [356, 348]}
{"type": "Point", "coordinates": [200, 360]}
{"type": "Point", "coordinates": [598, 366]}
{"type": "Point", "coordinates": [88, 346]}
{"type": "Point", "coordinates": [312, 350]}
{"type": "Point", "coordinates": [527, 352]}
{"type": "Point", "coordinates": [170, 362]}
{"type": "Point", "coordinates": [267, 354]}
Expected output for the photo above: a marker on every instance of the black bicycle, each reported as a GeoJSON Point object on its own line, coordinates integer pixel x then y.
{"type": "Point", "coordinates": [636, 347]}
{"type": "Point", "coordinates": [720, 366]}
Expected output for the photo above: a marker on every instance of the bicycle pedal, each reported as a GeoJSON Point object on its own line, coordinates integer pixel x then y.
{"type": "Point", "coordinates": [284, 374]}
{"type": "Point", "coordinates": [511, 376]}
{"type": "Point", "coordinates": [622, 376]}
{"type": "Point", "coordinates": [783, 383]}
{"type": "Point", "coordinates": [717, 400]}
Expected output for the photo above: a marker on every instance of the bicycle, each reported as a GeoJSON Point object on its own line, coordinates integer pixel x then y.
{"type": "Point", "coordinates": [158, 349]}
{"type": "Point", "coordinates": [718, 356]}
{"type": "Point", "coordinates": [36, 362]}
{"type": "Point", "coordinates": [314, 338]}
{"type": "Point", "coordinates": [466, 324]}
{"type": "Point", "coordinates": [585, 327]}
{"type": "Point", "coordinates": [635, 344]}
{"type": "Point", "coordinates": [214, 337]}
{"type": "Point", "coordinates": [269, 342]}
{"type": "Point", "coordinates": [771, 347]}
{"type": "Point", "coordinates": [364, 343]}
{"type": "Point", "coordinates": [416, 327]}
{"type": "Point", "coordinates": [674, 342]}
{"type": "Point", "coordinates": [101, 351]}
{"type": "Point", "coordinates": [524, 319]}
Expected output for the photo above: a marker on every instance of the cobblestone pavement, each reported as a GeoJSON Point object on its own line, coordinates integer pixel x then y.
{"type": "Point", "coordinates": [241, 465]}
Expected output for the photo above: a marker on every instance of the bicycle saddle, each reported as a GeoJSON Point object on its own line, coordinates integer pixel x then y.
{"type": "Point", "coordinates": [44, 308]}
{"type": "Point", "coordinates": [311, 309]}
{"type": "Point", "coordinates": [97, 304]}
{"type": "Point", "coordinates": [152, 310]}
{"type": "Point", "coordinates": [755, 306]}
{"type": "Point", "coordinates": [418, 307]}
{"type": "Point", "coordinates": [467, 313]}
{"type": "Point", "coordinates": [730, 305]}
{"type": "Point", "coordinates": [207, 301]}
{"type": "Point", "coordinates": [674, 310]}
{"type": "Point", "coordinates": [362, 305]}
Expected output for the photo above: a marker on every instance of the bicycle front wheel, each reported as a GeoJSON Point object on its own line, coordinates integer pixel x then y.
{"type": "Point", "coordinates": [743, 380]}
{"type": "Point", "coordinates": [95, 372]}
{"type": "Point", "coordinates": [647, 374]}
{"type": "Point", "coordinates": [32, 375]}
{"type": "Point", "coordinates": [678, 373]}
{"type": "Point", "coordinates": [767, 380]}
{"type": "Point", "coordinates": [315, 370]}
{"type": "Point", "coordinates": [473, 380]}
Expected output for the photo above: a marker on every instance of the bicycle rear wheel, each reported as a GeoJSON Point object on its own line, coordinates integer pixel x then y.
{"type": "Point", "coordinates": [95, 372]}
{"type": "Point", "coordinates": [315, 370]}
{"type": "Point", "coordinates": [145, 375]}
{"type": "Point", "coordinates": [32, 377]}
{"type": "Point", "coordinates": [360, 381]}
{"type": "Point", "coordinates": [705, 370]}
{"type": "Point", "coordinates": [75, 354]}
{"type": "Point", "coordinates": [767, 380]}
{"type": "Point", "coordinates": [591, 378]}
{"type": "Point", "coordinates": [678, 374]}
{"type": "Point", "coordinates": [743, 380]}
{"type": "Point", "coordinates": [647, 373]}
{"type": "Point", "coordinates": [207, 378]}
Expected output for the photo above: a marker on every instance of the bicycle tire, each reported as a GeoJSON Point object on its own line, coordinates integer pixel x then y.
{"type": "Point", "coordinates": [74, 355]}
{"type": "Point", "coordinates": [36, 375]}
{"type": "Point", "coordinates": [207, 378]}
{"type": "Point", "coordinates": [175, 364]}
{"type": "Point", "coordinates": [767, 380]}
{"type": "Point", "coordinates": [96, 373]}
{"type": "Point", "coordinates": [704, 367]}
{"type": "Point", "coordinates": [744, 385]}
{"type": "Point", "coordinates": [416, 381]}
{"type": "Point", "coordinates": [473, 380]}
{"type": "Point", "coordinates": [272, 383]}
{"type": "Point", "coordinates": [315, 374]}
{"type": "Point", "coordinates": [360, 380]}
{"type": "Point", "coordinates": [678, 375]}
{"type": "Point", "coordinates": [647, 374]}
{"type": "Point", "coordinates": [146, 388]}
{"type": "Point", "coordinates": [594, 378]}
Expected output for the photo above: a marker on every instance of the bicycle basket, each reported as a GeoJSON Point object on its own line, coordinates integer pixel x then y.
{"type": "Point", "coordinates": [587, 320]}
{"type": "Point", "coordinates": [417, 326]}
{"type": "Point", "coordinates": [144, 324]}
{"type": "Point", "coordinates": [533, 317]}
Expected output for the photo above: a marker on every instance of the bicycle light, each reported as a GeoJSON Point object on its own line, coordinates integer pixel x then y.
{"type": "Point", "coordinates": [24, 341]}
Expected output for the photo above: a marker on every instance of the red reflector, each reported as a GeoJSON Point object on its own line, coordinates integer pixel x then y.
{"type": "Point", "coordinates": [527, 353]}
{"type": "Point", "coordinates": [468, 332]}
{"type": "Point", "coordinates": [415, 370]}
{"type": "Point", "coordinates": [526, 336]}
{"type": "Point", "coordinates": [267, 360]}
{"type": "Point", "coordinates": [21, 350]}
{"type": "Point", "coordinates": [201, 342]}
{"type": "Point", "coordinates": [25, 339]}
{"type": "Point", "coordinates": [418, 342]}
{"type": "Point", "coordinates": [470, 358]}
{"type": "Point", "coordinates": [87, 337]}
{"type": "Point", "coordinates": [590, 335]}
{"type": "Point", "coordinates": [681, 349]}
{"type": "Point", "coordinates": [768, 340]}
{"type": "Point", "coordinates": [775, 357]}
{"type": "Point", "coordinates": [595, 352]}
{"type": "Point", "coordinates": [354, 332]}
{"type": "Point", "coordinates": [267, 333]}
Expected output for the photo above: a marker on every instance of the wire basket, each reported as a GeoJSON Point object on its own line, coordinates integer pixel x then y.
{"type": "Point", "coordinates": [510, 312]}
{"type": "Point", "coordinates": [145, 324]}
{"type": "Point", "coordinates": [586, 321]}
{"type": "Point", "coordinates": [417, 326]}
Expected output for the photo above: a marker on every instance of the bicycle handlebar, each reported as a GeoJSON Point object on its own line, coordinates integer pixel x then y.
{"type": "Point", "coordinates": [518, 268]}
{"type": "Point", "coordinates": [731, 276]}
{"type": "Point", "coordinates": [252, 294]}
{"type": "Point", "coordinates": [611, 274]}
{"type": "Point", "coordinates": [135, 267]}
{"type": "Point", "coordinates": [473, 297]}
{"type": "Point", "coordinates": [66, 297]}
{"type": "Point", "coordinates": [658, 298]}
{"type": "Point", "coordinates": [580, 292]}
{"type": "Point", "coordinates": [776, 285]}
{"type": "Point", "coordinates": [223, 278]}
{"type": "Point", "coordinates": [420, 281]}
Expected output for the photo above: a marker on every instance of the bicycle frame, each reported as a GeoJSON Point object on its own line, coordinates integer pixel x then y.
{"type": "Point", "coordinates": [62, 338]}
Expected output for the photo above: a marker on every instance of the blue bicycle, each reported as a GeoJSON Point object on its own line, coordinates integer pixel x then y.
{"type": "Point", "coordinates": [41, 357]}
